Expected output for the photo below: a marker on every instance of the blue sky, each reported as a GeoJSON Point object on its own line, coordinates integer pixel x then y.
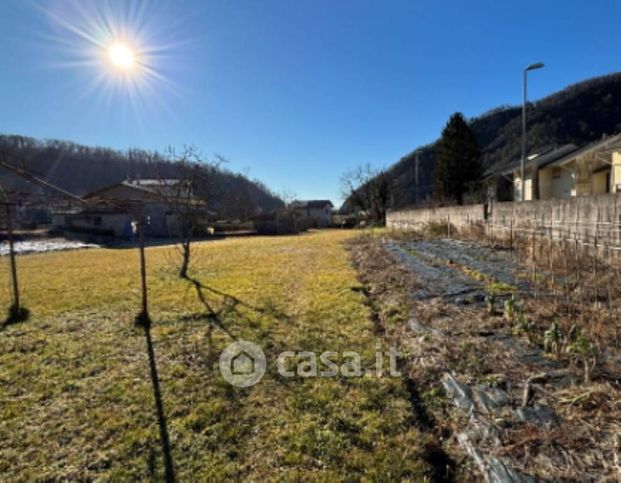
{"type": "Point", "coordinates": [294, 92]}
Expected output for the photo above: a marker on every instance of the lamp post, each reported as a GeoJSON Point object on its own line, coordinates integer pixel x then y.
{"type": "Point", "coordinates": [535, 66]}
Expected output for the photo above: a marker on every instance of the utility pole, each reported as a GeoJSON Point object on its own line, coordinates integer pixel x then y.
{"type": "Point", "coordinates": [416, 184]}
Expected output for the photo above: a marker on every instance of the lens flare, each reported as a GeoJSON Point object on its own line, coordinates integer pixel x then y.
{"type": "Point", "coordinates": [122, 55]}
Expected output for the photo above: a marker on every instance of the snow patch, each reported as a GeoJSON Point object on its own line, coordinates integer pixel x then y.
{"type": "Point", "coordinates": [44, 246]}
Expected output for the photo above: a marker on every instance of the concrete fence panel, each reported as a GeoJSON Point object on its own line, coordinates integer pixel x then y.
{"type": "Point", "coordinates": [590, 220]}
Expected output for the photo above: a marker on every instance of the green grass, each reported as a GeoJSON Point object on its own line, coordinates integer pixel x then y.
{"type": "Point", "coordinates": [76, 398]}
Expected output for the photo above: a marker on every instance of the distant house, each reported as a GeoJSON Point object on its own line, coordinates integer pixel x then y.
{"type": "Point", "coordinates": [314, 213]}
{"type": "Point", "coordinates": [111, 210]}
{"type": "Point", "coordinates": [560, 173]}
{"type": "Point", "coordinates": [32, 209]}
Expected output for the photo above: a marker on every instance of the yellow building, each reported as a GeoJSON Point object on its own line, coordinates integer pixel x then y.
{"type": "Point", "coordinates": [562, 173]}
{"type": "Point", "coordinates": [592, 170]}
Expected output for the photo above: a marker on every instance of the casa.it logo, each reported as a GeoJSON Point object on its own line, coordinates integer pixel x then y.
{"type": "Point", "coordinates": [242, 363]}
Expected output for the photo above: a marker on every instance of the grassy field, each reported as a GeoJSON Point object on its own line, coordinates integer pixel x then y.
{"type": "Point", "coordinates": [77, 398]}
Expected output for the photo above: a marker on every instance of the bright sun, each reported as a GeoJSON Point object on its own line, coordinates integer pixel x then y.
{"type": "Point", "coordinates": [121, 56]}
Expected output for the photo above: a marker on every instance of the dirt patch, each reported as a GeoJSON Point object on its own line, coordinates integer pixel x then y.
{"type": "Point", "coordinates": [494, 391]}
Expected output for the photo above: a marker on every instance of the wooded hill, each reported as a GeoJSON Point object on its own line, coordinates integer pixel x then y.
{"type": "Point", "coordinates": [578, 114]}
{"type": "Point", "coordinates": [82, 169]}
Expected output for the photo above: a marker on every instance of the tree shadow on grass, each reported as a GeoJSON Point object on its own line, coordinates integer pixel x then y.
{"type": "Point", "coordinates": [228, 305]}
{"type": "Point", "coordinates": [144, 321]}
{"type": "Point", "coordinates": [229, 302]}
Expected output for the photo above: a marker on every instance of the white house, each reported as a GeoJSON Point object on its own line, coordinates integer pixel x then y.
{"type": "Point", "coordinates": [112, 209]}
{"type": "Point", "coordinates": [314, 213]}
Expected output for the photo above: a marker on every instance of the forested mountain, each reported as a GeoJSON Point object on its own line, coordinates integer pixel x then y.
{"type": "Point", "coordinates": [578, 114]}
{"type": "Point", "coordinates": [82, 169]}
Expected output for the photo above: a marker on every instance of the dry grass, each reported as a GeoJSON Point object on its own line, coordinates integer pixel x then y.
{"type": "Point", "coordinates": [76, 398]}
{"type": "Point", "coordinates": [585, 443]}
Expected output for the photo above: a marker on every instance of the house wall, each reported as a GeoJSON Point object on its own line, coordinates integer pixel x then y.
{"type": "Point", "coordinates": [600, 182]}
{"type": "Point", "coordinates": [157, 220]}
{"type": "Point", "coordinates": [582, 178]}
{"type": "Point", "coordinates": [322, 217]}
{"type": "Point", "coordinates": [517, 185]}
{"type": "Point", "coordinates": [561, 183]}
{"type": "Point", "coordinates": [616, 172]}
{"type": "Point", "coordinates": [575, 177]}
{"type": "Point", "coordinates": [545, 183]}
{"type": "Point", "coordinates": [117, 224]}
{"type": "Point", "coordinates": [58, 220]}
{"type": "Point", "coordinates": [554, 183]}
{"type": "Point", "coordinates": [581, 188]}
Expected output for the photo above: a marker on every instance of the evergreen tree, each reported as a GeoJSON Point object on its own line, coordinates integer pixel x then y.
{"type": "Point", "coordinates": [458, 167]}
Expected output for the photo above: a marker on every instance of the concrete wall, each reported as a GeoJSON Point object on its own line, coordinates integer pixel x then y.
{"type": "Point", "coordinates": [415, 218]}
{"type": "Point", "coordinates": [588, 219]}
{"type": "Point", "coordinates": [585, 218]}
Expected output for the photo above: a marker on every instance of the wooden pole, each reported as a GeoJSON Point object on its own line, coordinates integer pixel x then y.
{"type": "Point", "coordinates": [9, 224]}
{"type": "Point", "coordinates": [534, 276]}
{"type": "Point", "coordinates": [551, 246]}
{"type": "Point", "coordinates": [578, 275]}
{"type": "Point", "coordinates": [595, 260]}
{"type": "Point", "coordinates": [143, 269]}
{"type": "Point", "coordinates": [565, 250]}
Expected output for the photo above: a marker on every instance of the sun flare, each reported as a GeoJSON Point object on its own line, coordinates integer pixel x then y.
{"type": "Point", "coordinates": [126, 53]}
{"type": "Point", "coordinates": [121, 56]}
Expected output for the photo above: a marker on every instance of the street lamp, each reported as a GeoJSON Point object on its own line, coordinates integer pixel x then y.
{"type": "Point", "coordinates": [537, 65]}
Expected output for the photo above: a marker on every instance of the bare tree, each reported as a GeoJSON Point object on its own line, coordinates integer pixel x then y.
{"type": "Point", "coordinates": [188, 196]}
{"type": "Point", "coordinates": [289, 198]}
{"type": "Point", "coordinates": [367, 189]}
